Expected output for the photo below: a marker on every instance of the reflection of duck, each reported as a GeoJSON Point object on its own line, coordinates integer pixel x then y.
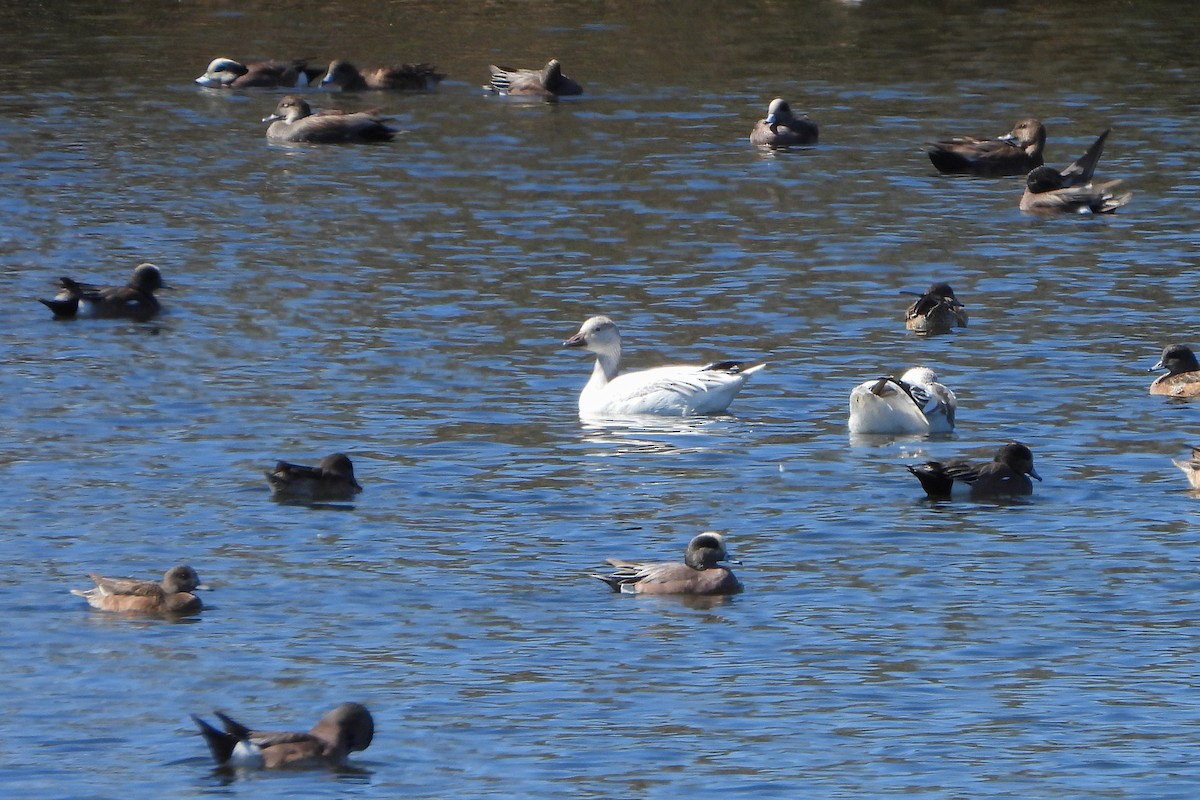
{"type": "Point", "coordinates": [915, 403]}
{"type": "Point", "coordinates": [1191, 467]}
{"type": "Point", "coordinates": [1006, 474]}
{"type": "Point", "coordinates": [548, 81]}
{"type": "Point", "coordinates": [781, 128]}
{"type": "Point", "coordinates": [674, 391]}
{"type": "Point", "coordinates": [171, 595]}
{"type": "Point", "coordinates": [1072, 190]}
{"type": "Point", "coordinates": [332, 480]}
{"type": "Point", "coordinates": [294, 121]}
{"type": "Point", "coordinates": [700, 573]}
{"type": "Point", "coordinates": [936, 311]}
{"type": "Point", "coordinates": [1183, 372]}
{"type": "Point", "coordinates": [396, 77]}
{"type": "Point", "coordinates": [1014, 153]}
{"type": "Point", "coordinates": [225, 73]}
{"type": "Point", "coordinates": [344, 730]}
{"type": "Point", "coordinates": [134, 300]}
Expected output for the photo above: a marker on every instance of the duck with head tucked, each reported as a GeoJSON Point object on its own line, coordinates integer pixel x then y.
{"type": "Point", "coordinates": [701, 573]}
{"type": "Point", "coordinates": [394, 77]}
{"type": "Point", "coordinates": [1048, 190]}
{"type": "Point", "coordinates": [346, 729]}
{"type": "Point", "coordinates": [333, 480]}
{"type": "Point", "coordinates": [547, 82]}
{"type": "Point", "coordinates": [936, 311]}
{"type": "Point", "coordinates": [1006, 475]}
{"type": "Point", "coordinates": [782, 128]}
{"type": "Point", "coordinates": [225, 73]}
{"type": "Point", "coordinates": [172, 595]}
{"type": "Point", "coordinates": [669, 391]}
{"type": "Point", "coordinates": [1183, 372]}
{"type": "Point", "coordinates": [135, 300]}
{"type": "Point", "coordinates": [1015, 153]}
{"type": "Point", "coordinates": [914, 403]}
{"type": "Point", "coordinates": [294, 122]}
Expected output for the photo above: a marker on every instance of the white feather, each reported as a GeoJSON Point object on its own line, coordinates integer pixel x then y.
{"type": "Point", "coordinates": [673, 391]}
{"type": "Point", "coordinates": [915, 404]}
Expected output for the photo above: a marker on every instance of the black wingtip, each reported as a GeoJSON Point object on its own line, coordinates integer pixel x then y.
{"type": "Point", "coordinates": [220, 743]}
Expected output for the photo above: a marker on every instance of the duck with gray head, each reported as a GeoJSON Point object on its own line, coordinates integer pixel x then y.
{"type": "Point", "coordinates": [701, 573]}
{"type": "Point", "coordinates": [294, 122]}
{"type": "Point", "coordinates": [547, 82]}
{"type": "Point", "coordinates": [1015, 153]}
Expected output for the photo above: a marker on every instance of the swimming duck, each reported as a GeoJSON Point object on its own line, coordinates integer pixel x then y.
{"type": "Point", "coordinates": [171, 595]}
{"type": "Point", "coordinates": [1183, 372]}
{"type": "Point", "coordinates": [674, 391]}
{"type": "Point", "coordinates": [936, 311]}
{"type": "Point", "coordinates": [135, 300]}
{"type": "Point", "coordinates": [225, 73]}
{"type": "Point", "coordinates": [395, 77]}
{"type": "Point", "coordinates": [700, 573]}
{"type": "Point", "coordinates": [1072, 190]}
{"type": "Point", "coordinates": [1191, 467]}
{"type": "Point", "coordinates": [1004, 475]}
{"type": "Point", "coordinates": [346, 729]}
{"type": "Point", "coordinates": [548, 81]}
{"type": "Point", "coordinates": [1015, 153]}
{"type": "Point", "coordinates": [293, 121]}
{"type": "Point", "coordinates": [915, 403]}
{"type": "Point", "coordinates": [781, 128]}
{"type": "Point", "coordinates": [332, 480]}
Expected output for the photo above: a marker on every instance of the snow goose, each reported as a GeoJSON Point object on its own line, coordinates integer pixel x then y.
{"type": "Point", "coordinates": [674, 391]}
{"type": "Point", "coordinates": [914, 404]}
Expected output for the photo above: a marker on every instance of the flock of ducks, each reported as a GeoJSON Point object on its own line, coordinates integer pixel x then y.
{"type": "Point", "coordinates": [916, 403]}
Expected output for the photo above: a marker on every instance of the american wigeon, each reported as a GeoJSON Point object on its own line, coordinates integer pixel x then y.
{"type": "Point", "coordinates": [914, 403]}
{"type": "Point", "coordinates": [171, 595]}
{"type": "Point", "coordinates": [225, 73]}
{"type": "Point", "coordinates": [700, 573]}
{"type": "Point", "coordinates": [135, 300]}
{"type": "Point", "coordinates": [394, 77]}
{"type": "Point", "coordinates": [672, 391]}
{"type": "Point", "coordinates": [346, 729]}
{"type": "Point", "coordinates": [936, 311]}
{"type": "Point", "coordinates": [1191, 467]}
{"type": "Point", "coordinates": [1015, 153]}
{"type": "Point", "coordinates": [548, 81]}
{"type": "Point", "coordinates": [293, 121]}
{"type": "Point", "coordinates": [1005, 475]}
{"type": "Point", "coordinates": [1071, 190]}
{"type": "Point", "coordinates": [332, 480]}
{"type": "Point", "coordinates": [781, 128]}
{"type": "Point", "coordinates": [1183, 372]}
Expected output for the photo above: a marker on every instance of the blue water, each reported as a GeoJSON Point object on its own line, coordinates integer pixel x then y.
{"type": "Point", "coordinates": [406, 304]}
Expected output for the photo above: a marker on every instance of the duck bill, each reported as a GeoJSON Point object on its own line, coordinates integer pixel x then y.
{"type": "Point", "coordinates": [1007, 138]}
{"type": "Point", "coordinates": [1157, 367]}
{"type": "Point", "coordinates": [574, 341]}
{"type": "Point", "coordinates": [271, 118]}
{"type": "Point", "coordinates": [1033, 473]}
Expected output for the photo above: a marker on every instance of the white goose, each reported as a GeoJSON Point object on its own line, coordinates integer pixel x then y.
{"type": "Point", "coordinates": [916, 403]}
{"type": "Point", "coordinates": [674, 391]}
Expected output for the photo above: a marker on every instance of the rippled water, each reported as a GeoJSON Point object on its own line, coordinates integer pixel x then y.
{"type": "Point", "coordinates": [406, 303]}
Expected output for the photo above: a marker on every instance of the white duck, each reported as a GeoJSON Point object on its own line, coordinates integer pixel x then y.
{"type": "Point", "coordinates": [674, 391]}
{"type": "Point", "coordinates": [916, 403]}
